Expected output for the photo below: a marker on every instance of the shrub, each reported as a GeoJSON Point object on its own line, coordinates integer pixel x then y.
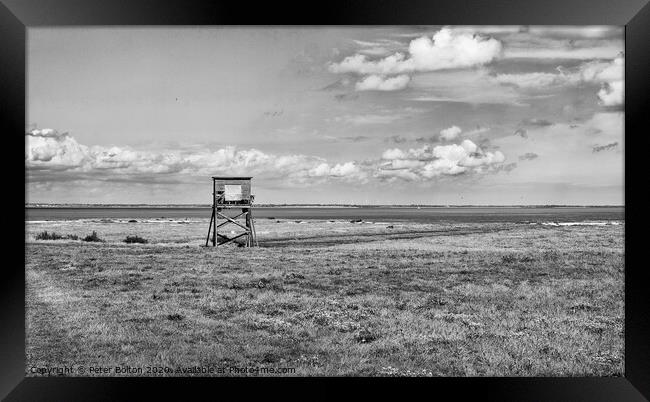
{"type": "Point", "coordinates": [135, 239]}
{"type": "Point", "coordinates": [48, 236]}
{"type": "Point", "coordinates": [44, 235]}
{"type": "Point", "coordinates": [92, 237]}
{"type": "Point", "coordinates": [175, 317]}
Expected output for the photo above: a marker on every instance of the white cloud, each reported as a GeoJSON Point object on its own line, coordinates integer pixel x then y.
{"type": "Point", "coordinates": [611, 94]}
{"type": "Point", "coordinates": [583, 31]}
{"type": "Point", "coordinates": [451, 50]}
{"type": "Point", "coordinates": [394, 153]}
{"type": "Point", "coordinates": [474, 86]}
{"type": "Point", "coordinates": [429, 162]}
{"type": "Point", "coordinates": [562, 31]}
{"type": "Point", "coordinates": [532, 80]}
{"type": "Point", "coordinates": [446, 49]}
{"type": "Point", "coordinates": [451, 133]}
{"type": "Point", "coordinates": [349, 170]}
{"type": "Point", "coordinates": [380, 83]}
{"type": "Point", "coordinates": [608, 74]}
{"type": "Point", "coordinates": [392, 174]}
{"type": "Point", "coordinates": [58, 157]}
{"type": "Point", "coordinates": [381, 47]}
{"type": "Point", "coordinates": [49, 151]}
{"type": "Point", "coordinates": [58, 150]}
{"type": "Point", "coordinates": [568, 52]}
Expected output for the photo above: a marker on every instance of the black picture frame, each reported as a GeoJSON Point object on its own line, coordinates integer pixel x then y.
{"type": "Point", "coordinates": [17, 15]}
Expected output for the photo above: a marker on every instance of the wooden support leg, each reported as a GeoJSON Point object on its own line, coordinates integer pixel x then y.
{"type": "Point", "coordinates": [214, 228]}
{"type": "Point", "coordinates": [255, 243]}
{"type": "Point", "coordinates": [248, 227]}
{"type": "Point", "coordinates": [207, 239]}
{"type": "Point", "coordinates": [252, 227]}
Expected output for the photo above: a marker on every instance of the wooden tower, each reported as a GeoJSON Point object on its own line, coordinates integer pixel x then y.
{"type": "Point", "coordinates": [231, 194]}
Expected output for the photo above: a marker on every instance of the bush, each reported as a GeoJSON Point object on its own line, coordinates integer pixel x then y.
{"type": "Point", "coordinates": [48, 236]}
{"type": "Point", "coordinates": [92, 237]}
{"type": "Point", "coordinates": [175, 317]}
{"type": "Point", "coordinates": [44, 235]}
{"type": "Point", "coordinates": [135, 239]}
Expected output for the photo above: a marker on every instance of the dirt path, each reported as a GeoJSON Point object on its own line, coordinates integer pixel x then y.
{"type": "Point", "coordinates": [330, 240]}
{"type": "Point", "coordinates": [46, 304]}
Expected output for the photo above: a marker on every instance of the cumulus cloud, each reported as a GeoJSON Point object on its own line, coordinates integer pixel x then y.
{"type": "Point", "coordinates": [611, 94]}
{"type": "Point", "coordinates": [446, 49]}
{"type": "Point", "coordinates": [345, 170]}
{"type": "Point", "coordinates": [47, 150]}
{"type": "Point", "coordinates": [395, 153]}
{"type": "Point", "coordinates": [432, 161]}
{"type": "Point", "coordinates": [451, 133]}
{"type": "Point", "coordinates": [50, 155]}
{"type": "Point", "coordinates": [380, 83]}
{"type": "Point", "coordinates": [49, 147]}
{"type": "Point", "coordinates": [610, 76]}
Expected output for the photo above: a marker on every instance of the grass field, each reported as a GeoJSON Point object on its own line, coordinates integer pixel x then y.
{"type": "Point", "coordinates": [330, 298]}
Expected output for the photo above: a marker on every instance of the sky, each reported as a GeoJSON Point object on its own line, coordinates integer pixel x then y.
{"type": "Point", "coordinates": [444, 115]}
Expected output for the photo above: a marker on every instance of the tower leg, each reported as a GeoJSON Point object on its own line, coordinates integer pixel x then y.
{"type": "Point", "coordinates": [207, 239]}
{"type": "Point", "coordinates": [248, 227]}
{"type": "Point", "coordinates": [253, 232]}
{"type": "Point", "coordinates": [214, 228]}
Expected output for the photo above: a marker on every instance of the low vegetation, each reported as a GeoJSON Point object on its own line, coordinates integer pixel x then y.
{"type": "Point", "coordinates": [45, 235]}
{"type": "Point", "coordinates": [92, 237]}
{"type": "Point", "coordinates": [527, 301]}
{"type": "Point", "coordinates": [135, 239]}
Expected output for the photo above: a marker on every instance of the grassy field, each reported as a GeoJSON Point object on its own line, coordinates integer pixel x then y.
{"type": "Point", "coordinates": [329, 298]}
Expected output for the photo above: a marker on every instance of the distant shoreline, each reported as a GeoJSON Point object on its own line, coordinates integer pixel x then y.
{"type": "Point", "coordinates": [191, 206]}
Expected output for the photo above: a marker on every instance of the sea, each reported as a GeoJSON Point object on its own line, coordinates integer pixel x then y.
{"type": "Point", "coordinates": [551, 215]}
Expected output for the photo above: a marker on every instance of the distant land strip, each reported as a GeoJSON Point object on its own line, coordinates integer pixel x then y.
{"type": "Point", "coordinates": [44, 205]}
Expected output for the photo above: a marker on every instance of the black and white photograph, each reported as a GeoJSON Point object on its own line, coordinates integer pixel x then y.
{"type": "Point", "coordinates": [367, 201]}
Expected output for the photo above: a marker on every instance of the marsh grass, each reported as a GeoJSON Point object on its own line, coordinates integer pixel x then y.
{"type": "Point", "coordinates": [135, 239]}
{"type": "Point", "coordinates": [92, 237]}
{"type": "Point", "coordinates": [522, 302]}
{"type": "Point", "coordinates": [45, 235]}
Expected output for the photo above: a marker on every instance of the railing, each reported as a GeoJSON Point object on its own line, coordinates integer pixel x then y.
{"type": "Point", "coordinates": [220, 199]}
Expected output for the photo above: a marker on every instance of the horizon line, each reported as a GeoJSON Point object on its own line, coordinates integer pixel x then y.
{"type": "Point", "coordinates": [37, 204]}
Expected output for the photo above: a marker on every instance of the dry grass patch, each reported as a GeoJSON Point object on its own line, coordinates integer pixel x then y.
{"type": "Point", "coordinates": [439, 305]}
